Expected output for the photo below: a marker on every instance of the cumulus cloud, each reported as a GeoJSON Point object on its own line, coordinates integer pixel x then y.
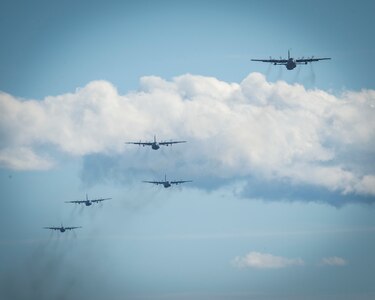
{"type": "Point", "coordinates": [22, 158]}
{"type": "Point", "coordinates": [333, 261]}
{"type": "Point", "coordinates": [259, 260]}
{"type": "Point", "coordinates": [253, 131]}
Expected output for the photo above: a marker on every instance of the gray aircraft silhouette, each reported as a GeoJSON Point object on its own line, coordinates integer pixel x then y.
{"type": "Point", "coordinates": [166, 183]}
{"type": "Point", "coordinates": [88, 202]}
{"type": "Point", "coordinates": [155, 145]}
{"type": "Point", "coordinates": [291, 63]}
{"type": "Point", "coordinates": [62, 228]}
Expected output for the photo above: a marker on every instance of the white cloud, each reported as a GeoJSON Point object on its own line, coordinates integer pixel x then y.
{"type": "Point", "coordinates": [23, 159]}
{"type": "Point", "coordinates": [265, 261]}
{"type": "Point", "coordinates": [334, 261]}
{"type": "Point", "coordinates": [252, 128]}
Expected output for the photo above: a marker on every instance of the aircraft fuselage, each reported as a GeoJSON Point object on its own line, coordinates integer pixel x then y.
{"type": "Point", "coordinates": [167, 184]}
{"type": "Point", "coordinates": [291, 64]}
{"type": "Point", "coordinates": [155, 146]}
{"type": "Point", "coordinates": [62, 229]}
{"type": "Point", "coordinates": [88, 203]}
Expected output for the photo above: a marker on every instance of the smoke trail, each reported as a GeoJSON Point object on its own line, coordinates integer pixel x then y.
{"type": "Point", "coordinates": [81, 209]}
{"type": "Point", "coordinates": [39, 276]}
{"type": "Point", "coordinates": [141, 198]}
{"type": "Point", "coordinates": [280, 73]}
{"type": "Point", "coordinates": [50, 235]}
{"type": "Point", "coordinates": [268, 71]}
{"type": "Point", "coordinates": [93, 210]}
{"type": "Point", "coordinates": [296, 77]}
{"type": "Point", "coordinates": [143, 153]}
{"type": "Point", "coordinates": [309, 80]}
{"type": "Point", "coordinates": [312, 75]}
{"type": "Point", "coordinates": [73, 212]}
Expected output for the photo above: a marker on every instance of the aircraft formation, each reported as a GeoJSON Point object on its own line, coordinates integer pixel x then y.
{"type": "Point", "coordinates": [88, 202]}
{"type": "Point", "coordinates": [290, 63]}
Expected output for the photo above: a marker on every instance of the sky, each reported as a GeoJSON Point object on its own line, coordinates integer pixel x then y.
{"type": "Point", "coordinates": [281, 203]}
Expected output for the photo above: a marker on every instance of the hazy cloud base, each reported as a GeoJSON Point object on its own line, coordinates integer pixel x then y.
{"type": "Point", "coordinates": [279, 140]}
{"type": "Point", "coordinates": [333, 261]}
{"type": "Point", "coordinates": [259, 260]}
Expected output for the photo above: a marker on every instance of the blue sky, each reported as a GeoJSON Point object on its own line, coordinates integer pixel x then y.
{"type": "Point", "coordinates": [122, 41]}
{"type": "Point", "coordinates": [281, 203]}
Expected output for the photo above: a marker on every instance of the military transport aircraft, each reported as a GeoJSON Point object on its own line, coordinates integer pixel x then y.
{"type": "Point", "coordinates": [62, 228]}
{"type": "Point", "coordinates": [166, 183]}
{"type": "Point", "coordinates": [291, 63]}
{"type": "Point", "coordinates": [88, 202]}
{"type": "Point", "coordinates": [155, 145]}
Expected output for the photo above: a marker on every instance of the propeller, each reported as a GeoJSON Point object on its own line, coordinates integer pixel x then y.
{"type": "Point", "coordinates": [303, 58]}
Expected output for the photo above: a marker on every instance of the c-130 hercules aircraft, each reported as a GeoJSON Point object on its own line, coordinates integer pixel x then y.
{"type": "Point", "coordinates": [62, 228]}
{"type": "Point", "coordinates": [88, 201]}
{"type": "Point", "coordinates": [166, 183]}
{"type": "Point", "coordinates": [155, 145]}
{"type": "Point", "coordinates": [291, 63]}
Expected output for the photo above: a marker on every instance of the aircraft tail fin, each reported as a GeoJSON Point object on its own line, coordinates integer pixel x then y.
{"type": "Point", "coordinates": [288, 54]}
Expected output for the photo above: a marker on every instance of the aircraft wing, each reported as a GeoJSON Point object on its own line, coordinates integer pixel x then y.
{"type": "Point", "coordinates": [78, 201]}
{"type": "Point", "coordinates": [180, 181]}
{"type": "Point", "coordinates": [155, 182]}
{"type": "Point", "coordinates": [306, 60]}
{"type": "Point", "coordinates": [171, 142]}
{"type": "Point", "coordinates": [100, 199]}
{"type": "Point", "coordinates": [71, 228]}
{"type": "Point", "coordinates": [53, 228]}
{"type": "Point", "coordinates": [140, 143]}
{"type": "Point", "coordinates": [271, 60]}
